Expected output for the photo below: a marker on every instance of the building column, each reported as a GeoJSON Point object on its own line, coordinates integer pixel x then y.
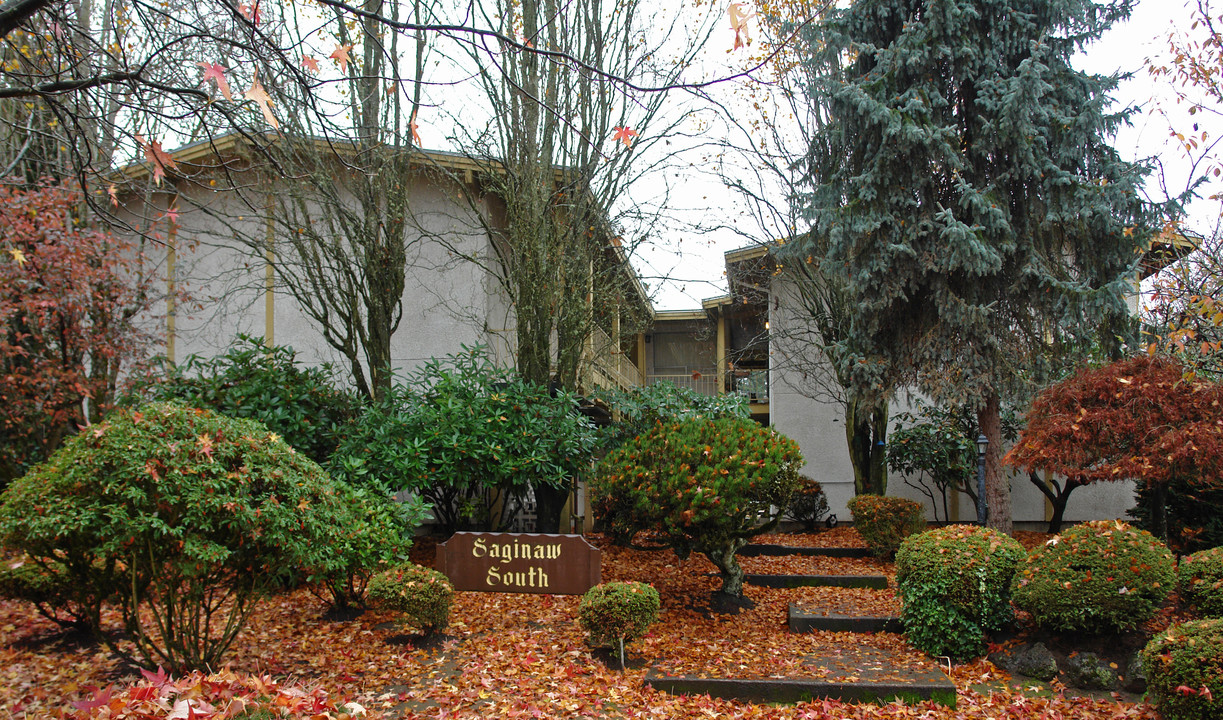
{"type": "Point", "coordinates": [269, 279]}
{"type": "Point", "coordinates": [721, 351]}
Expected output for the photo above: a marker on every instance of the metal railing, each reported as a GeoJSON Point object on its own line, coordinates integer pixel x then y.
{"type": "Point", "coordinates": [702, 383]}
{"type": "Point", "coordinates": [609, 365]}
{"type": "Point", "coordinates": [754, 385]}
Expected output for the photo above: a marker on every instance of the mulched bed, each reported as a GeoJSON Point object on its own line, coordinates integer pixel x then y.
{"type": "Point", "coordinates": [526, 656]}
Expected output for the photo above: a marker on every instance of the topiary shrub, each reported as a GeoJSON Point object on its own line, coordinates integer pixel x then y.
{"type": "Point", "coordinates": [883, 522]}
{"type": "Point", "coordinates": [1097, 577]}
{"type": "Point", "coordinates": [615, 613]}
{"type": "Point", "coordinates": [1184, 666]}
{"type": "Point", "coordinates": [1200, 581]}
{"type": "Point", "coordinates": [955, 586]}
{"type": "Point", "coordinates": [810, 505]}
{"type": "Point", "coordinates": [178, 511]}
{"type": "Point", "coordinates": [420, 594]}
{"type": "Point", "coordinates": [701, 485]}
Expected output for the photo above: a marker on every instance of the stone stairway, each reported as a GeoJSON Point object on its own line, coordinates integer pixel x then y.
{"type": "Point", "coordinates": [841, 669]}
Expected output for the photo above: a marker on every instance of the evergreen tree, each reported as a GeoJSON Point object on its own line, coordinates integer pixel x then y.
{"type": "Point", "coordinates": [970, 198]}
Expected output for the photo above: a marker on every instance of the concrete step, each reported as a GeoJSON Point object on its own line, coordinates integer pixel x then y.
{"type": "Point", "coordinates": [804, 618]}
{"type": "Point", "coordinates": [857, 674]}
{"type": "Point", "coordinates": [876, 582]}
{"type": "Point", "coordinates": [779, 550]}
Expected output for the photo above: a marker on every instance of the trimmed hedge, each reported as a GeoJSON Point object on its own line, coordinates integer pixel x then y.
{"type": "Point", "coordinates": [1097, 577]}
{"type": "Point", "coordinates": [883, 522]}
{"type": "Point", "coordinates": [1184, 666]}
{"type": "Point", "coordinates": [617, 611]}
{"type": "Point", "coordinates": [955, 586]}
{"type": "Point", "coordinates": [1200, 581]}
{"type": "Point", "coordinates": [422, 595]}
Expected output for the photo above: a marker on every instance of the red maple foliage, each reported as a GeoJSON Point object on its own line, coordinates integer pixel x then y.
{"type": "Point", "coordinates": [1141, 419]}
{"type": "Point", "coordinates": [71, 297]}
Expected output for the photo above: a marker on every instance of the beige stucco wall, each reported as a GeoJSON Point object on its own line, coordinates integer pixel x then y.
{"type": "Point", "coordinates": [447, 298]}
{"type": "Point", "coordinates": [802, 411]}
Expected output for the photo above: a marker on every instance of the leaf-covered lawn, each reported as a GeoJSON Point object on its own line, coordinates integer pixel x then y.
{"type": "Point", "coordinates": [525, 656]}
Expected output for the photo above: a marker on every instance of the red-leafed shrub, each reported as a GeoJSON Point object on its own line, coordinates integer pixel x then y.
{"type": "Point", "coordinates": [71, 301]}
{"type": "Point", "coordinates": [1145, 419]}
{"type": "Point", "coordinates": [1184, 666]}
{"type": "Point", "coordinates": [1200, 581]}
{"type": "Point", "coordinates": [1097, 577]}
{"type": "Point", "coordinates": [955, 586]}
{"type": "Point", "coordinates": [883, 522]}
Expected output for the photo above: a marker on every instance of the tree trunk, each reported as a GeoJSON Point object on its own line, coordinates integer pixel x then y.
{"type": "Point", "coordinates": [865, 430]}
{"type": "Point", "coordinates": [729, 598]}
{"type": "Point", "coordinates": [549, 504]}
{"type": "Point", "coordinates": [997, 487]}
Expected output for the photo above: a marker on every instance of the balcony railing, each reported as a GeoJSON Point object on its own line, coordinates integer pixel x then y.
{"type": "Point", "coordinates": [701, 383]}
{"type": "Point", "coordinates": [609, 366]}
{"type": "Point", "coordinates": [754, 385]}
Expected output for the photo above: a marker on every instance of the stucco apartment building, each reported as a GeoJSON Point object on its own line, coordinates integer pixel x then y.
{"type": "Point", "coordinates": [220, 245]}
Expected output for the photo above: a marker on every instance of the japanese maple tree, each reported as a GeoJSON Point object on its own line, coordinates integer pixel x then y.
{"type": "Point", "coordinates": [70, 300]}
{"type": "Point", "coordinates": [1141, 419]}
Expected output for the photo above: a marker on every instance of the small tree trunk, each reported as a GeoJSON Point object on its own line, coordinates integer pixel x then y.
{"type": "Point", "coordinates": [549, 504]}
{"type": "Point", "coordinates": [730, 597]}
{"type": "Point", "coordinates": [997, 488]}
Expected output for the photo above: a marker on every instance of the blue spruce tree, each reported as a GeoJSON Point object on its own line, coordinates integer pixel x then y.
{"type": "Point", "coordinates": [965, 191]}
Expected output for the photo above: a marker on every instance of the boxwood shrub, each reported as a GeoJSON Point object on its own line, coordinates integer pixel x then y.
{"type": "Point", "coordinates": [618, 611]}
{"type": "Point", "coordinates": [1184, 666]}
{"type": "Point", "coordinates": [883, 522]}
{"type": "Point", "coordinates": [1200, 581]}
{"type": "Point", "coordinates": [1097, 577]}
{"type": "Point", "coordinates": [419, 594]}
{"type": "Point", "coordinates": [955, 586]}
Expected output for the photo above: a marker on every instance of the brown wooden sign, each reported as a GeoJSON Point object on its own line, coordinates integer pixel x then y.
{"type": "Point", "coordinates": [520, 563]}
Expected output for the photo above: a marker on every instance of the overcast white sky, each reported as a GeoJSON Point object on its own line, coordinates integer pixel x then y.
{"type": "Point", "coordinates": [699, 267]}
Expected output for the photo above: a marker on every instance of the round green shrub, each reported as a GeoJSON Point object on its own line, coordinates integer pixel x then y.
{"type": "Point", "coordinates": [179, 510]}
{"type": "Point", "coordinates": [700, 485]}
{"type": "Point", "coordinates": [617, 611]}
{"type": "Point", "coordinates": [955, 586]}
{"type": "Point", "coordinates": [1097, 577]}
{"type": "Point", "coordinates": [1200, 581]}
{"type": "Point", "coordinates": [883, 522]}
{"type": "Point", "coordinates": [52, 592]}
{"type": "Point", "coordinates": [1184, 666]}
{"type": "Point", "coordinates": [809, 505]}
{"type": "Point", "coordinates": [420, 594]}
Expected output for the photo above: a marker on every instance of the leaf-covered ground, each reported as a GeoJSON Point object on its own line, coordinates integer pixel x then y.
{"type": "Point", "coordinates": [525, 656]}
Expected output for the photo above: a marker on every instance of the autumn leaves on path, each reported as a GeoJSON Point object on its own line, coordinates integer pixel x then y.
{"type": "Point", "coordinates": [833, 649]}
